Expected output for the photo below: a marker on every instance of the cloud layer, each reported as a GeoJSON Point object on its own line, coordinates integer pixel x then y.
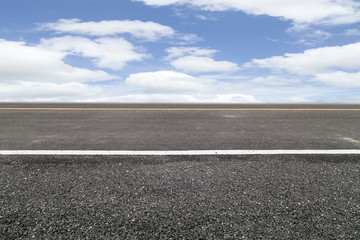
{"type": "Point", "coordinates": [177, 52]}
{"type": "Point", "coordinates": [170, 86]}
{"type": "Point", "coordinates": [338, 65]}
{"type": "Point", "coordinates": [169, 81]}
{"type": "Point", "coordinates": [150, 31]}
{"type": "Point", "coordinates": [301, 12]}
{"type": "Point", "coordinates": [198, 60]}
{"type": "Point", "coordinates": [196, 64]}
{"type": "Point", "coordinates": [48, 91]}
{"type": "Point", "coordinates": [48, 69]}
{"type": "Point", "coordinates": [32, 73]}
{"type": "Point", "coordinates": [112, 53]}
{"type": "Point", "coordinates": [315, 60]}
{"type": "Point", "coordinates": [19, 62]}
{"type": "Point", "coordinates": [39, 73]}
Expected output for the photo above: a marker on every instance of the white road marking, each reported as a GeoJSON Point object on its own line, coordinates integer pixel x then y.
{"type": "Point", "coordinates": [180, 152]}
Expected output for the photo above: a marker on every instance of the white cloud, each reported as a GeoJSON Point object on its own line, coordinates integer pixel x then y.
{"type": "Point", "coordinates": [310, 37]}
{"type": "Point", "coordinates": [188, 38]}
{"type": "Point", "coordinates": [335, 66]}
{"type": "Point", "coordinates": [201, 17]}
{"type": "Point", "coordinates": [339, 79]}
{"type": "Point", "coordinates": [180, 98]}
{"type": "Point", "coordinates": [176, 52]}
{"type": "Point", "coordinates": [169, 81]}
{"type": "Point", "coordinates": [39, 73]}
{"type": "Point", "coordinates": [314, 61]}
{"type": "Point", "coordinates": [150, 31]}
{"type": "Point", "coordinates": [352, 32]}
{"type": "Point", "coordinates": [196, 64]}
{"type": "Point", "coordinates": [197, 60]}
{"type": "Point", "coordinates": [176, 82]}
{"type": "Point", "coordinates": [32, 73]}
{"type": "Point", "coordinates": [111, 53]}
{"type": "Point", "coordinates": [276, 80]}
{"type": "Point", "coordinates": [47, 91]}
{"type": "Point", "coordinates": [170, 86]}
{"type": "Point", "coordinates": [19, 62]}
{"type": "Point", "coordinates": [302, 12]}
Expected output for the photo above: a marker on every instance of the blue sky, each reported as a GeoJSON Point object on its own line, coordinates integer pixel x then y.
{"type": "Point", "coordinates": [214, 51]}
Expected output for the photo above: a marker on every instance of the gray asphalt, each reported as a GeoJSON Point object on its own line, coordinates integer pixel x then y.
{"type": "Point", "coordinates": [178, 130]}
{"type": "Point", "coordinates": [207, 197]}
{"type": "Point", "coordinates": [179, 197]}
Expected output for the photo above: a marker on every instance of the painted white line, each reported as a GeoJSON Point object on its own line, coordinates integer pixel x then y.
{"type": "Point", "coordinates": [181, 152]}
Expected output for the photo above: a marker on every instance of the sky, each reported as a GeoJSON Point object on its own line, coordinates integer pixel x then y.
{"type": "Point", "coordinates": [188, 51]}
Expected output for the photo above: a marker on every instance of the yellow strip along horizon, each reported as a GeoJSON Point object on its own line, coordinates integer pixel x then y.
{"type": "Point", "coordinates": [185, 109]}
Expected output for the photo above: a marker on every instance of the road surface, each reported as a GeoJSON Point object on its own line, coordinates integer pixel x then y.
{"type": "Point", "coordinates": [178, 129]}
{"type": "Point", "coordinates": [179, 197]}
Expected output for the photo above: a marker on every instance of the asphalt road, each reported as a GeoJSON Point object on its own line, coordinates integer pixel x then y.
{"type": "Point", "coordinates": [178, 130]}
{"type": "Point", "coordinates": [179, 197]}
